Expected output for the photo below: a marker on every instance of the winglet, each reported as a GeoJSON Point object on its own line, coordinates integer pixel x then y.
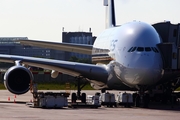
{"type": "Point", "coordinates": [110, 13]}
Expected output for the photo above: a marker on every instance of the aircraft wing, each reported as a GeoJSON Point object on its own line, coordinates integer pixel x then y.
{"type": "Point", "coordinates": [90, 71]}
{"type": "Point", "coordinates": [70, 47]}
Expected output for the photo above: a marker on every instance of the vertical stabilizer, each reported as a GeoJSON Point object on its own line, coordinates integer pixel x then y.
{"type": "Point", "coordinates": [110, 13]}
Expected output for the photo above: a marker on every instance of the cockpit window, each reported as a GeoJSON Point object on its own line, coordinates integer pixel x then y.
{"type": "Point", "coordinates": [154, 49]}
{"type": "Point", "coordinates": [133, 49]}
{"type": "Point", "coordinates": [147, 49]}
{"type": "Point", "coordinates": [130, 49]}
{"type": "Point", "coordinates": [140, 49]}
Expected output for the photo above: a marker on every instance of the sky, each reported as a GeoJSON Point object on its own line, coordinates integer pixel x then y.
{"type": "Point", "coordinates": [44, 19]}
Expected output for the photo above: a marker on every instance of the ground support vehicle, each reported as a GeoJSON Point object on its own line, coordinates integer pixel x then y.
{"type": "Point", "coordinates": [107, 99]}
{"type": "Point", "coordinates": [125, 99]}
{"type": "Point", "coordinates": [49, 100]}
{"type": "Point", "coordinates": [92, 101]}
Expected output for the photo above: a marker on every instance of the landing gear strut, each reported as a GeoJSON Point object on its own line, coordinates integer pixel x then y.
{"type": "Point", "coordinates": [103, 90]}
{"type": "Point", "coordinates": [79, 96]}
{"type": "Point", "coordinates": [141, 99]}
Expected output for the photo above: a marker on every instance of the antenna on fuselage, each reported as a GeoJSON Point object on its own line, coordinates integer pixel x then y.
{"type": "Point", "coordinates": [110, 13]}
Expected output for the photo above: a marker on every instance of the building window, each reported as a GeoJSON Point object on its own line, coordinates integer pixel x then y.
{"type": "Point", "coordinates": [174, 33]}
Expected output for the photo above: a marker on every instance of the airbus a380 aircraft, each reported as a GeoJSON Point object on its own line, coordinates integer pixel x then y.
{"type": "Point", "coordinates": [135, 61]}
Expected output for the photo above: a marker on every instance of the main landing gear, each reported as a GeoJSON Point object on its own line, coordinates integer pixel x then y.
{"type": "Point", "coordinates": [79, 96]}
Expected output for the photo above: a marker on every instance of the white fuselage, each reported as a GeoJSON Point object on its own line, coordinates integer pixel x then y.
{"type": "Point", "coordinates": [133, 48]}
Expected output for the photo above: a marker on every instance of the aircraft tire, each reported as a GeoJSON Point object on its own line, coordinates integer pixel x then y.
{"type": "Point", "coordinates": [146, 101]}
{"type": "Point", "coordinates": [83, 98]}
{"type": "Point", "coordinates": [103, 90]}
{"type": "Point", "coordinates": [73, 98]}
{"type": "Point", "coordinates": [137, 100]}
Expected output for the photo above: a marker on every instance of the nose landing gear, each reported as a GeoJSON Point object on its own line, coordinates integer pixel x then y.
{"type": "Point", "coordinates": [141, 99]}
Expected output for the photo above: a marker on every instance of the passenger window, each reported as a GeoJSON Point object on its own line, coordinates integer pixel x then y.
{"type": "Point", "coordinates": [130, 49]}
{"type": "Point", "coordinates": [140, 49]}
{"type": "Point", "coordinates": [147, 49]}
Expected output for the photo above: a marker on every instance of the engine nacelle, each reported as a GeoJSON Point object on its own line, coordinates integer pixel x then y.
{"type": "Point", "coordinates": [17, 79]}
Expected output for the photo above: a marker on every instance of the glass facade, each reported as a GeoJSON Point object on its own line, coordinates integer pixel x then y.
{"type": "Point", "coordinates": [78, 38]}
{"type": "Point", "coordinates": [9, 45]}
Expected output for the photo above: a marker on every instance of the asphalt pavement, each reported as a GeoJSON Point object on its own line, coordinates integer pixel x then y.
{"type": "Point", "coordinates": [13, 107]}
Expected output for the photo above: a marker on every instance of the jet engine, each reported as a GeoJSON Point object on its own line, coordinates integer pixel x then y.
{"type": "Point", "coordinates": [17, 79]}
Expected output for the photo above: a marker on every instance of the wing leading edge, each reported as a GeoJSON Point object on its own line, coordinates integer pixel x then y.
{"type": "Point", "coordinates": [89, 71]}
{"type": "Point", "coordinates": [78, 48]}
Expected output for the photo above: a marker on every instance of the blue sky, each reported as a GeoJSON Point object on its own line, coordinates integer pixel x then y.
{"type": "Point", "coordinates": [44, 19]}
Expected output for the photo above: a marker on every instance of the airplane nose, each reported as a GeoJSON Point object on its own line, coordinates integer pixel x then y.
{"type": "Point", "coordinates": [144, 72]}
{"type": "Point", "coordinates": [147, 70]}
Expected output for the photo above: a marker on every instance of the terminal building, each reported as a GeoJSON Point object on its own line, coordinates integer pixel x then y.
{"type": "Point", "coordinates": [78, 38]}
{"type": "Point", "coordinates": [9, 46]}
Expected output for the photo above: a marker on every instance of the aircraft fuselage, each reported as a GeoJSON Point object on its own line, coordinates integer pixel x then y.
{"type": "Point", "coordinates": [133, 49]}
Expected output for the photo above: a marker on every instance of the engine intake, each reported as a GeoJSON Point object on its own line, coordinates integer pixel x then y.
{"type": "Point", "coordinates": [17, 79]}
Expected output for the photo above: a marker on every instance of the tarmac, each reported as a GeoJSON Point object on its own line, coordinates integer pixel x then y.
{"type": "Point", "coordinates": [13, 107]}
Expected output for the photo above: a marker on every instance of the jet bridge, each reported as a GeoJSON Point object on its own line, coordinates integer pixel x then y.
{"type": "Point", "coordinates": [170, 46]}
{"type": "Point", "coordinates": [170, 50]}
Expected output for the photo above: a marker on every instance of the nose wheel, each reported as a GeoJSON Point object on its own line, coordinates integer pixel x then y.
{"type": "Point", "coordinates": [141, 99]}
